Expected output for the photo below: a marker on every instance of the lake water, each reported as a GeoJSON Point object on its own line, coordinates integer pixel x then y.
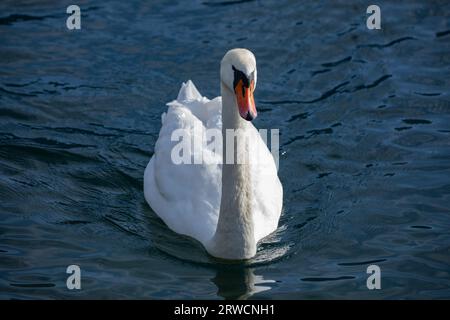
{"type": "Point", "coordinates": [364, 118]}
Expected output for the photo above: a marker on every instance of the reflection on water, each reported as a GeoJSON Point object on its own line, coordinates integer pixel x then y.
{"type": "Point", "coordinates": [239, 282]}
{"type": "Point", "coordinates": [364, 132]}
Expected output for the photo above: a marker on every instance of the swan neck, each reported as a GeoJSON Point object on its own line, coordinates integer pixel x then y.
{"type": "Point", "coordinates": [234, 237]}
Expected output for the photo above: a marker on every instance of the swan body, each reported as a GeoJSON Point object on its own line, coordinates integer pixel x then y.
{"type": "Point", "coordinates": [226, 207]}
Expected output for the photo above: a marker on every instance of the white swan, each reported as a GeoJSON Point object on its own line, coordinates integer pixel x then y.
{"type": "Point", "coordinates": [229, 207]}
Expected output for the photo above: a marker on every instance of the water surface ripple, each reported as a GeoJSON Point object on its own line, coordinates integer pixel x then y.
{"type": "Point", "coordinates": [365, 146]}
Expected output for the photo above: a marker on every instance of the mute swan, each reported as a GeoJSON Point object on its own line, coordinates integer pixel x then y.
{"type": "Point", "coordinates": [227, 207]}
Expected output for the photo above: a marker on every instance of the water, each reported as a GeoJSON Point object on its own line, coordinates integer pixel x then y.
{"type": "Point", "coordinates": [364, 121]}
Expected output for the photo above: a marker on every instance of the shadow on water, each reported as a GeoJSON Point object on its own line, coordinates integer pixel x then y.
{"type": "Point", "coordinates": [187, 249]}
{"type": "Point", "coordinates": [233, 279]}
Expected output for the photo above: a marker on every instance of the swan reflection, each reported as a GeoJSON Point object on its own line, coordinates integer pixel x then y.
{"type": "Point", "coordinates": [239, 282]}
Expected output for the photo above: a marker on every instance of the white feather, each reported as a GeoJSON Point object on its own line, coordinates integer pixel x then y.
{"type": "Point", "coordinates": [187, 196]}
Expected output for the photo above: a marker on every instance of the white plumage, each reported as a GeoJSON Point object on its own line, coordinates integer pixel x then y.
{"type": "Point", "coordinates": [229, 207]}
{"type": "Point", "coordinates": [187, 196]}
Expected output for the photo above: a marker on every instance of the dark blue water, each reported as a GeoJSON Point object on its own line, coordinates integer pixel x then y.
{"type": "Point", "coordinates": [364, 120]}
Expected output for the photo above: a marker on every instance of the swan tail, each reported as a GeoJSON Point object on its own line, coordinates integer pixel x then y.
{"type": "Point", "coordinates": [188, 92]}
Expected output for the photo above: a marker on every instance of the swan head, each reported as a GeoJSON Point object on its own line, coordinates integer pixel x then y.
{"type": "Point", "coordinates": [238, 73]}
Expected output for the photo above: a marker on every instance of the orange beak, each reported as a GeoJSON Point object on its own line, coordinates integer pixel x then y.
{"type": "Point", "coordinates": [245, 100]}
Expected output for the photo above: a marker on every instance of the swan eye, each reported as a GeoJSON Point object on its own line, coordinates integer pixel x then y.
{"type": "Point", "coordinates": [240, 76]}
